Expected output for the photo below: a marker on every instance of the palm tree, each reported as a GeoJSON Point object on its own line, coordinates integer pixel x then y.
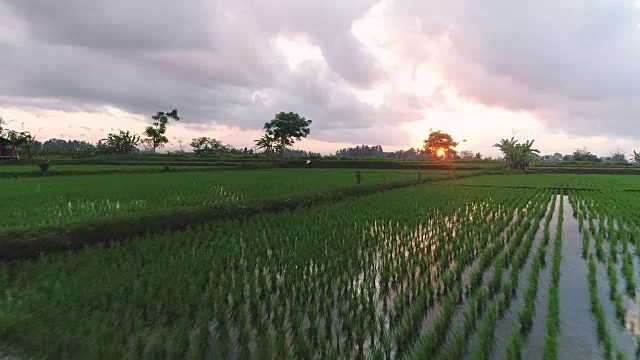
{"type": "Point", "coordinates": [266, 143]}
{"type": "Point", "coordinates": [517, 155]}
{"type": "Point", "coordinates": [635, 158]}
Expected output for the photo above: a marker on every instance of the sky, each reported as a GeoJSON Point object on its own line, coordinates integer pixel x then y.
{"type": "Point", "coordinates": [365, 71]}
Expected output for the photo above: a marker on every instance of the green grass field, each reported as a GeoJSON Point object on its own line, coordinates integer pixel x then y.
{"type": "Point", "coordinates": [65, 200]}
{"type": "Point", "coordinates": [487, 267]}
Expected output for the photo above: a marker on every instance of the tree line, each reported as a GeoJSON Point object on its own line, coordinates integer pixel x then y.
{"type": "Point", "coordinates": [280, 134]}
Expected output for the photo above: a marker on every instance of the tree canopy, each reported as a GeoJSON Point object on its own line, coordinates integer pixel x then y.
{"type": "Point", "coordinates": [440, 144]}
{"type": "Point", "coordinates": [122, 143]}
{"type": "Point", "coordinates": [585, 156]}
{"type": "Point", "coordinates": [155, 134]}
{"type": "Point", "coordinates": [286, 129]}
{"type": "Point", "coordinates": [207, 146]}
{"type": "Point", "coordinates": [18, 139]}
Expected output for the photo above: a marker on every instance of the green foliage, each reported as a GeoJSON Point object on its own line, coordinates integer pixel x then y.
{"type": "Point", "coordinates": [358, 176]}
{"type": "Point", "coordinates": [156, 134]}
{"type": "Point", "coordinates": [517, 155]}
{"type": "Point", "coordinates": [122, 143]}
{"type": "Point", "coordinates": [207, 146]}
{"type": "Point", "coordinates": [285, 129]}
{"type": "Point", "coordinates": [266, 142]}
{"type": "Point", "coordinates": [582, 155]}
{"type": "Point", "coordinates": [71, 148]}
{"type": "Point", "coordinates": [18, 139]}
{"type": "Point", "coordinates": [635, 158]}
{"type": "Point", "coordinates": [23, 140]}
{"type": "Point", "coordinates": [44, 167]}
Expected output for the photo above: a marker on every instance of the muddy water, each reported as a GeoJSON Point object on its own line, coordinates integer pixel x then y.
{"type": "Point", "coordinates": [533, 348]}
{"type": "Point", "coordinates": [578, 338]}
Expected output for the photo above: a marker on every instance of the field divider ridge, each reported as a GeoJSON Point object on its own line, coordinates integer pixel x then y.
{"type": "Point", "coordinates": [33, 243]}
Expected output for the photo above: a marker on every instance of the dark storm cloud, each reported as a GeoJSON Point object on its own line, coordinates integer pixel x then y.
{"type": "Point", "coordinates": [574, 62]}
{"type": "Point", "coordinates": [209, 59]}
{"type": "Point", "coordinates": [120, 24]}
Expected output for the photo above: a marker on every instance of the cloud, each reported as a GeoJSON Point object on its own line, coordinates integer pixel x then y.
{"type": "Point", "coordinates": [208, 59]}
{"type": "Point", "coordinates": [573, 64]}
{"type": "Point", "coordinates": [372, 65]}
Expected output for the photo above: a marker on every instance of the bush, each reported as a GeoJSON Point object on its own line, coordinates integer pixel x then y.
{"type": "Point", "coordinates": [44, 166]}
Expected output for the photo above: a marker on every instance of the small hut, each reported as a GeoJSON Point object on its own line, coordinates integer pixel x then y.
{"type": "Point", "coordinates": [7, 150]}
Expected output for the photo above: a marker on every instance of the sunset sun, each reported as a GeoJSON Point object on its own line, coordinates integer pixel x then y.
{"type": "Point", "coordinates": [441, 153]}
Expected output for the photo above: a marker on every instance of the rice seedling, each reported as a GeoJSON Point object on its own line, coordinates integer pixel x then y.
{"type": "Point", "coordinates": [553, 318]}
{"type": "Point", "coordinates": [628, 273]}
{"type": "Point", "coordinates": [598, 312]}
{"type": "Point", "coordinates": [81, 199]}
{"type": "Point", "coordinates": [485, 334]}
{"type": "Point", "coordinates": [420, 272]}
{"type": "Point", "coordinates": [585, 244]}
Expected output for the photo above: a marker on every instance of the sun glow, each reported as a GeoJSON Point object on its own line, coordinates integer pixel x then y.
{"type": "Point", "coordinates": [441, 153]}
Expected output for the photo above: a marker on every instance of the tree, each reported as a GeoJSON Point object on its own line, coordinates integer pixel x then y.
{"type": "Point", "coordinates": [517, 155]}
{"type": "Point", "coordinates": [584, 156]}
{"type": "Point", "coordinates": [617, 156]}
{"type": "Point", "coordinates": [72, 147]}
{"type": "Point", "coordinates": [467, 155]}
{"type": "Point", "coordinates": [155, 134]}
{"type": "Point", "coordinates": [266, 143]}
{"type": "Point", "coordinates": [556, 157]}
{"type": "Point", "coordinates": [122, 143]}
{"type": "Point", "coordinates": [19, 139]}
{"type": "Point", "coordinates": [362, 151]}
{"type": "Point", "coordinates": [635, 158]}
{"type": "Point", "coordinates": [205, 146]}
{"type": "Point", "coordinates": [286, 129]}
{"type": "Point", "coordinates": [440, 144]}
{"type": "Point", "coordinates": [25, 142]}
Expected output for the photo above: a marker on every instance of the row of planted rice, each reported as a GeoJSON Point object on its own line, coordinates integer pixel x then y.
{"type": "Point", "coordinates": [41, 202]}
{"type": "Point", "coordinates": [432, 271]}
{"type": "Point", "coordinates": [329, 281]}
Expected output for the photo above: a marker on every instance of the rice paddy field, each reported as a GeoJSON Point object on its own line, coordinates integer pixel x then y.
{"type": "Point", "coordinates": [37, 202]}
{"type": "Point", "coordinates": [485, 267]}
{"type": "Point", "coordinates": [34, 168]}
